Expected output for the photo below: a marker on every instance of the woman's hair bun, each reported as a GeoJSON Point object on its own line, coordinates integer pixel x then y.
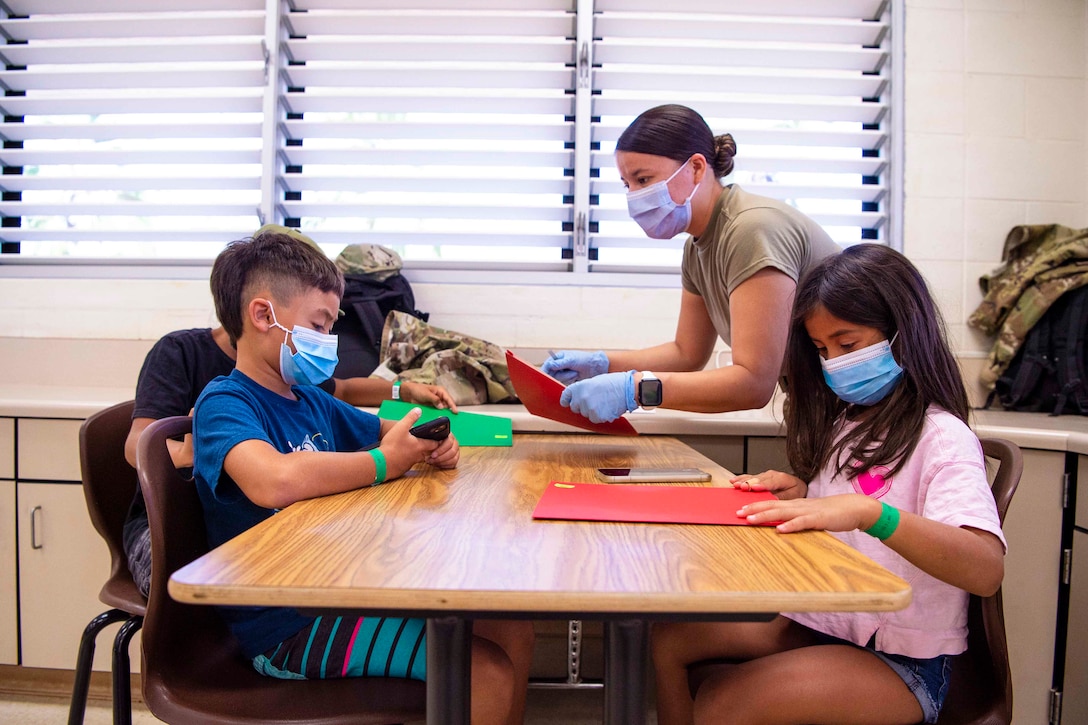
{"type": "Point", "coordinates": [725, 148]}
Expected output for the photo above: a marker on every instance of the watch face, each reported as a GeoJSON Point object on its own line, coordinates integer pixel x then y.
{"type": "Point", "coordinates": [649, 393]}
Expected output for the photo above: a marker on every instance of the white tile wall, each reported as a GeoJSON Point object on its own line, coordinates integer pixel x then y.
{"type": "Point", "coordinates": [1019, 155]}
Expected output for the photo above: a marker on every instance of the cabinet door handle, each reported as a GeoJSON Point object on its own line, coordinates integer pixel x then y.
{"type": "Point", "coordinates": [35, 514]}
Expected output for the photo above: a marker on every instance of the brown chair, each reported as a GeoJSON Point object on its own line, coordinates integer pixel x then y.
{"type": "Point", "coordinates": [981, 689]}
{"type": "Point", "coordinates": [193, 671]}
{"type": "Point", "coordinates": [980, 692]}
{"type": "Point", "coordinates": [109, 484]}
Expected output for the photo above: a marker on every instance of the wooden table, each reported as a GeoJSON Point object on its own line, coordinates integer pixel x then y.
{"type": "Point", "coordinates": [456, 545]}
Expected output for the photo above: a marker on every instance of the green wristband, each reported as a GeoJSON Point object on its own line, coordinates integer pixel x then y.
{"type": "Point", "coordinates": [396, 389]}
{"type": "Point", "coordinates": [379, 464]}
{"type": "Point", "coordinates": [886, 523]}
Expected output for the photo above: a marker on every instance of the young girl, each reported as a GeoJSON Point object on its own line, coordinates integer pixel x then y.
{"type": "Point", "coordinates": [877, 427]}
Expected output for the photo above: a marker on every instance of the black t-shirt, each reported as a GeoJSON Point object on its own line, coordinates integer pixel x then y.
{"type": "Point", "coordinates": [175, 372]}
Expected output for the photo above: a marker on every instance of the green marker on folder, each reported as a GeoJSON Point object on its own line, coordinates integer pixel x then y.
{"type": "Point", "coordinates": [470, 429]}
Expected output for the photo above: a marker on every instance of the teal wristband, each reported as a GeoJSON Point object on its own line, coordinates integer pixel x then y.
{"type": "Point", "coordinates": [396, 389]}
{"type": "Point", "coordinates": [886, 523]}
{"type": "Point", "coordinates": [379, 464]}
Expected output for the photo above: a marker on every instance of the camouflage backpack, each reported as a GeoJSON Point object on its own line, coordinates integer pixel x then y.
{"type": "Point", "coordinates": [1050, 370]}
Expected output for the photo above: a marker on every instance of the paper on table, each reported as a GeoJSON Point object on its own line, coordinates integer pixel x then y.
{"type": "Point", "coordinates": [645, 504]}
{"type": "Point", "coordinates": [540, 394]}
{"type": "Point", "coordinates": [470, 429]}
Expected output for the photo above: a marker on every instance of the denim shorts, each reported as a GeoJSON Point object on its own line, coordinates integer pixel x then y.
{"type": "Point", "coordinates": [927, 678]}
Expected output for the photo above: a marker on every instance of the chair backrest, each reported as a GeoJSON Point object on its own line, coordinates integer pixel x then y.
{"type": "Point", "coordinates": [981, 689]}
{"type": "Point", "coordinates": [193, 670]}
{"type": "Point", "coordinates": [109, 485]}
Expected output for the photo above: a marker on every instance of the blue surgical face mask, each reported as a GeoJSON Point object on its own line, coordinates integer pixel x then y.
{"type": "Point", "coordinates": [655, 211]}
{"type": "Point", "coordinates": [315, 357]}
{"type": "Point", "coordinates": [865, 376]}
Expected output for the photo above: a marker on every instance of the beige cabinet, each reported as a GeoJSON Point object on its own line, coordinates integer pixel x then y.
{"type": "Point", "coordinates": [1033, 529]}
{"type": "Point", "coordinates": [63, 562]}
{"type": "Point", "coordinates": [1075, 690]}
{"type": "Point", "coordinates": [9, 605]}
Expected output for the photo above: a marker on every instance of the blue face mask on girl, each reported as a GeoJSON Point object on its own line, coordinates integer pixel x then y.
{"type": "Point", "coordinates": [865, 376]}
{"type": "Point", "coordinates": [655, 211]}
{"type": "Point", "coordinates": [315, 357]}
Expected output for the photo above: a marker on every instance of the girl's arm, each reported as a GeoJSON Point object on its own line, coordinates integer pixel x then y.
{"type": "Point", "coordinates": [759, 316]}
{"type": "Point", "coordinates": [274, 480]}
{"type": "Point", "coordinates": [968, 558]}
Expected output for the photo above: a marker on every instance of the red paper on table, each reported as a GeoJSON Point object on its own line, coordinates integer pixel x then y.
{"type": "Point", "coordinates": [540, 394]}
{"type": "Point", "coordinates": [645, 504]}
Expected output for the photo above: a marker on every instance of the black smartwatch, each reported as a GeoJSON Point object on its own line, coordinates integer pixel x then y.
{"type": "Point", "coordinates": [649, 390]}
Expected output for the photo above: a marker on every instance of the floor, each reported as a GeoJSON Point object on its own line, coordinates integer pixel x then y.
{"type": "Point", "coordinates": [546, 707]}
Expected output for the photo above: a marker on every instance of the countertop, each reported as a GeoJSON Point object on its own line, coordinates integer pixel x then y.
{"type": "Point", "coordinates": [1027, 430]}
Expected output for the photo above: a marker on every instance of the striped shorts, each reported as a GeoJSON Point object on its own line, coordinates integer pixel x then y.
{"type": "Point", "coordinates": [332, 647]}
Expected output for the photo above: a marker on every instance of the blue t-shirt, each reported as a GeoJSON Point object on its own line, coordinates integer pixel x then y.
{"type": "Point", "coordinates": [233, 409]}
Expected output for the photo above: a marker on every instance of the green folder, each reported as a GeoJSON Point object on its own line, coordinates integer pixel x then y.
{"type": "Point", "coordinates": [470, 429]}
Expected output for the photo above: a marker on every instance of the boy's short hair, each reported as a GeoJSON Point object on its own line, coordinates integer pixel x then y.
{"type": "Point", "coordinates": [278, 262]}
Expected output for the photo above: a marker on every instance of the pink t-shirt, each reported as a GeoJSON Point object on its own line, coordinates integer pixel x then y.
{"type": "Point", "coordinates": [943, 480]}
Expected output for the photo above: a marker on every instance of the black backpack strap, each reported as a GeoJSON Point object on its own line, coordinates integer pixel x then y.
{"type": "Point", "coordinates": [1070, 352]}
{"type": "Point", "coordinates": [1034, 363]}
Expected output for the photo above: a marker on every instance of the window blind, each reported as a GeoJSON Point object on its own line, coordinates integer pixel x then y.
{"type": "Point", "coordinates": [464, 135]}
{"type": "Point", "coordinates": [801, 86]}
{"type": "Point", "coordinates": [131, 128]}
{"type": "Point", "coordinates": [443, 132]}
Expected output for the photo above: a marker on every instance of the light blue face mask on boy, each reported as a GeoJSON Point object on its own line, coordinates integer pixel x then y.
{"type": "Point", "coordinates": [655, 211]}
{"type": "Point", "coordinates": [865, 376]}
{"type": "Point", "coordinates": [315, 358]}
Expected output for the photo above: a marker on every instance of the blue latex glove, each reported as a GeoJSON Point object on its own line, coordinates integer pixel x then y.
{"type": "Point", "coordinates": [603, 398]}
{"type": "Point", "coordinates": [567, 366]}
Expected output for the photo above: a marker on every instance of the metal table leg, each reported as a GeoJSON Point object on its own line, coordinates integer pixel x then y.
{"type": "Point", "coordinates": [449, 671]}
{"type": "Point", "coordinates": [625, 672]}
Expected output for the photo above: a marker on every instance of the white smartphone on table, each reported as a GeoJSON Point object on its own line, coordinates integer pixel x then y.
{"type": "Point", "coordinates": [649, 475]}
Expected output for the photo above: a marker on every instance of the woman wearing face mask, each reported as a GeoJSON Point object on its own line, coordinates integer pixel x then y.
{"type": "Point", "coordinates": [739, 270]}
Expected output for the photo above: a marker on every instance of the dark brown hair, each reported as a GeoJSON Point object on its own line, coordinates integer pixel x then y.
{"type": "Point", "coordinates": [875, 286]}
{"type": "Point", "coordinates": [678, 133]}
{"type": "Point", "coordinates": [275, 261]}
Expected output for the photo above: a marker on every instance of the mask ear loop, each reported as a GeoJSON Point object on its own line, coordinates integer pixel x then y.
{"type": "Point", "coordinates": [276, 323]}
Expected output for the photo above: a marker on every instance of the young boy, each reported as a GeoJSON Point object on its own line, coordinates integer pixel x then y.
{"type": "Point", "coordinates": [265, 437]}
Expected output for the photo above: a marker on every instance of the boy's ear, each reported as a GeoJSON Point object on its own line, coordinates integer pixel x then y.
{"type": "Point", "coordinates": [259, 314]}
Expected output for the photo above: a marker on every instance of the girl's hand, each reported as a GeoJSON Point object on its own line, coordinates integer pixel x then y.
{"type": "Point", "coordinates": [433, 395]}
{"type": "Point", "coordinates": [447, 454]}
{"type": "Point", "coordinates": [845, 512]}
{"type": "Point", "coordinates": [782, 485]}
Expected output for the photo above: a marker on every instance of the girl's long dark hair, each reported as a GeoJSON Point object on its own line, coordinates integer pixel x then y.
{"type": "Point", "coordinates": [875, 286]}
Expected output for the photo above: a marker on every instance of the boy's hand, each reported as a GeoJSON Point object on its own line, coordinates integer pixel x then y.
{"type": "Point", "coordinates": [433, 395]}
{"type": "Point", "coordinates": [403, 450]}
{"type": "Point", "coordinates": [844, 512]}
{"type": "Point", "coordinates": [782, 485]}
{"type": "Point", "coordinates": [447, 454]}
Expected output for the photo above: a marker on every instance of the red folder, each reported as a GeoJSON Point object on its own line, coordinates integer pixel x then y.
{"type": "Point", "coordinates": [540, 395]}
{"type": "Point", "coordinates": [645, 504]}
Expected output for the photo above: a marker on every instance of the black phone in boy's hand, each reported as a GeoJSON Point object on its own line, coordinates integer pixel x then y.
{"type": "Point", "coordinates": [433, 430]}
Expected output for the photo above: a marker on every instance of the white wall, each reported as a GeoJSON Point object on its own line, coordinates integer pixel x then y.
{"type": "Point", "coordinates": [995, 136]}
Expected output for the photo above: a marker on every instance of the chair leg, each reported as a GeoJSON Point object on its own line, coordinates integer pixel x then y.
{"type": "Point", "coordinates": [85, 659]}
{"type": "Point", "coordinates": [122, 685]}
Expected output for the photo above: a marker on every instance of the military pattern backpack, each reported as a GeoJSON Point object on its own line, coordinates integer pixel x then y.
{"type": "Point", "coordinates": [1050, 370]}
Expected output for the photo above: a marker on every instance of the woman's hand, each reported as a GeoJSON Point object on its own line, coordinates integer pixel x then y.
{"type": "Point", "coordinates": [782, 485]}
{"type": "Point", "coordinates": [845, 512]}
{"type": "Point", "coordinates": [568, 366]}
{"type": "Point", "coordinates": [433, 395]}
{"type": "Point", "coordinates": [601, 399]}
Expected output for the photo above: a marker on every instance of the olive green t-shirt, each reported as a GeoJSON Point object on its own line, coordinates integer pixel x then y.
{"type": "Point", "coordinates": [747, 233]}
